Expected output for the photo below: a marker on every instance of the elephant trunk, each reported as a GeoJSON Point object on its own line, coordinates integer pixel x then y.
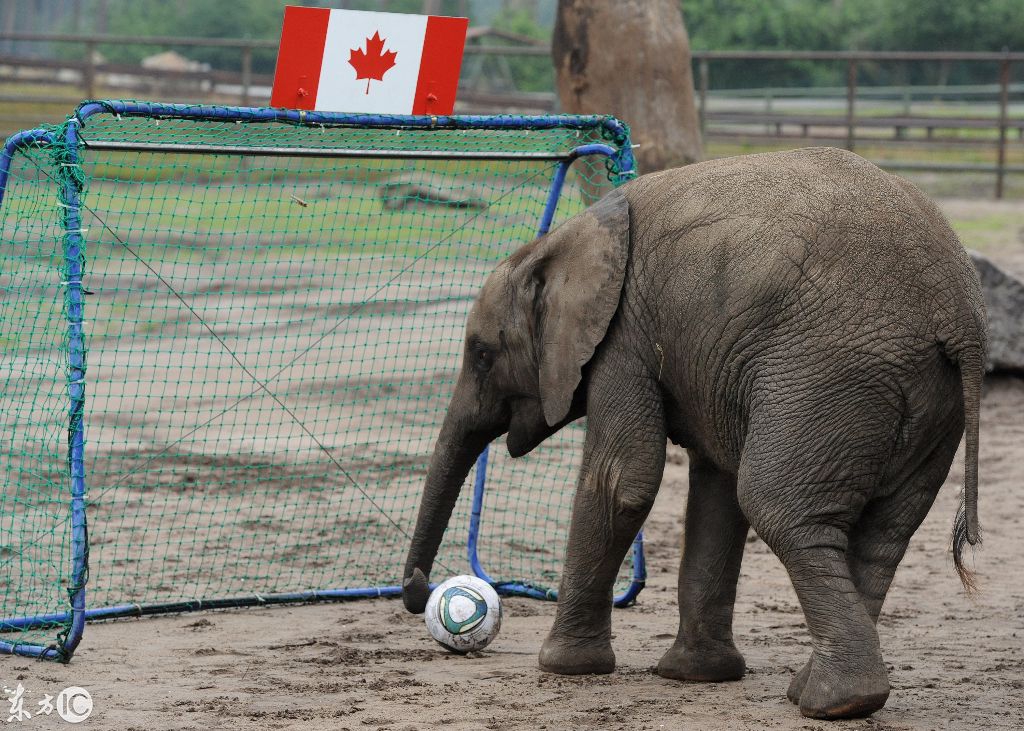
{"type": "Point", "coordinates": [454, 455]}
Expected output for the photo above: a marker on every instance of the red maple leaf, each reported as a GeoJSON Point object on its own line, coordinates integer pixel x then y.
{"type": "Point", "coordinates": [374, 63]}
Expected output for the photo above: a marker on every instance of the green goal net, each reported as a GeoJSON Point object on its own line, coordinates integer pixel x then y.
{"type": "Point", "coordinates": [243, 327]}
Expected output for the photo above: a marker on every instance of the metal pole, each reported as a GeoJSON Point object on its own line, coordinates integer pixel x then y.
{"type": "Point", "coordinates": [851, 95]}
{"type": "Point", "coordinates": [334, 152]}
{"type": "Point", "coordinates": [246, 75]}
{"type": "Point", "coordinates": [1004, 93]}
{"type": "Point", "coordinates": [74, 269]}
{"type": "Point", "coordinates": [703, 73]}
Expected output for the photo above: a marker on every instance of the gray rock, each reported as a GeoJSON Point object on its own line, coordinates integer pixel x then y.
{"type": "Point", "coordinates": [1004, 300]}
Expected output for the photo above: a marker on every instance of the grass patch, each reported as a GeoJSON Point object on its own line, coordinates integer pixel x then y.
{"type": "Point", "coordinates": [187, 220]}
{"type": "Point", "coordinates": [993, 229]}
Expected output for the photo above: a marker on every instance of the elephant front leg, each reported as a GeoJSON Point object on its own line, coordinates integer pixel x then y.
{"type": "Point", "coordinates": [713, 541]}
{"type": "Point", "coordinates": [623, 461]}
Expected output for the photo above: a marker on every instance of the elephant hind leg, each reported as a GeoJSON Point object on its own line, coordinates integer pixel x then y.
{"type": "Point", "coordinates": [803, 495]}
{"type": "Point", "coordinates": [879, 539]}
{"type": "Point", "coordinates": [713, 542]}
{"type": "Point", "coordinates": [881, 536]}
{"type": "Point", "coordinates": [846, 677]}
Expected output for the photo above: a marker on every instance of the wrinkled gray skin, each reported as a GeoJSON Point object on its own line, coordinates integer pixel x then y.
{"type": "Point", "coordinates": [806, 325]}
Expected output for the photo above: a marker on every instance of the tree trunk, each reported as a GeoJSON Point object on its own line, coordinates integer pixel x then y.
{"type": "Point", "coordinates": [630, 58]}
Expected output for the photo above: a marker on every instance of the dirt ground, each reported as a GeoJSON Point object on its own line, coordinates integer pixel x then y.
{"type": "Point", "coordinates": [955, 662]}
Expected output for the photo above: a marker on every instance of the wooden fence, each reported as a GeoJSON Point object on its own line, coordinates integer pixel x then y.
{"type": "Point", "coordinates": [852, 124]}
{"type": "Point", "coordinates": [34, 89]}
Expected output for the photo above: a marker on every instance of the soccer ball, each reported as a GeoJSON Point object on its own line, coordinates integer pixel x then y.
{"type": "Point", "coordinates": [464, 614]}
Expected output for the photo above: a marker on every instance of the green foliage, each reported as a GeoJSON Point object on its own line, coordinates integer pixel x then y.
{"type": "Point", "coordinates": [529, 73]}
{"type": "Point", "coordinates": [256, 19]}
{"type": "Point", "coordinates": [783, 25]}
{"type": "Point", "coordinates": [934, 25]}
{"type": "Point", "coordinates": [252, 19]}
{"type": "Point", "coordinates": [877, 25]}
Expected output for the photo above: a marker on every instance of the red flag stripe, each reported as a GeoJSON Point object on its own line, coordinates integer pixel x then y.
{"type": "Point", "coordinates": [300, 57]}
{"type": "Point", "coordinates": [438, 79]}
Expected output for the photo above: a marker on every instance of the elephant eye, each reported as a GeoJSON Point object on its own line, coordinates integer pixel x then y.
{"type": "Point", "coordinates": [483, 358]}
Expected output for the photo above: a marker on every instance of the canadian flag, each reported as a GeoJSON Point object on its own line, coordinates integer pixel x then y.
{"type": "Point", "coordinates": [360, 61]}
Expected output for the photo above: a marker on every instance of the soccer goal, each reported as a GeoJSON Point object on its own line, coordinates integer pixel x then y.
{"type": "Point", "coordinates": [227, 340]}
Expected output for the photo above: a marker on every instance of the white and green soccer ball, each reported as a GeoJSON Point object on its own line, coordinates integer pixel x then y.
{"type": "Point", "coordinates": [464, 614]}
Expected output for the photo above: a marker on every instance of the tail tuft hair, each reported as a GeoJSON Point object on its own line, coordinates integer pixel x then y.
{"type": "Point", "coordinates": [959, 541]}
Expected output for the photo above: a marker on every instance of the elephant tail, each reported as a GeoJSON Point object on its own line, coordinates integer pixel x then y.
{"type": "Point", "coordinates": [966, 529]}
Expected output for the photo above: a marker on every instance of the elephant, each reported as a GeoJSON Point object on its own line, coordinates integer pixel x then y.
{"type": "Point", "coordinates": [807, 326]}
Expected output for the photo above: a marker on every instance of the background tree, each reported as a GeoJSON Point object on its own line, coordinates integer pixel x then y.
{"type": "Point", "coordinates": [630, 58]}
{"type": "Point", "coordinates": [868, 25]}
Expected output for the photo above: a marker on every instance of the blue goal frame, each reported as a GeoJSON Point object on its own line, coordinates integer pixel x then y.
{"type": "Point", "coordinates": [621, 162]}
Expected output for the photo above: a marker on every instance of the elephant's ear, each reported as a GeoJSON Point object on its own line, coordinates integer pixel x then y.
{"type": "Point", "coordinates": [576, 274]}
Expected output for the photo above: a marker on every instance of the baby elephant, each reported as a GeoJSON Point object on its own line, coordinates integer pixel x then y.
{"type": "Point", "coordinates": [806, 325]}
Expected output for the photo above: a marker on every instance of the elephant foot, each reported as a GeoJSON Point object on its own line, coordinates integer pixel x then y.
{"type": "Point", "coordinates": [798, 683]}
{"type": "Point", "coordinates": [709, 662]}
{"type": "Point", "coordinates": [832, 692]}
{"type": "Point", "coordinates": [567, 656]}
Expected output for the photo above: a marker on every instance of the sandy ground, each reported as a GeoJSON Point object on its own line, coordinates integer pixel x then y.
{"type": "Point", "coordinates": [954, 662]}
